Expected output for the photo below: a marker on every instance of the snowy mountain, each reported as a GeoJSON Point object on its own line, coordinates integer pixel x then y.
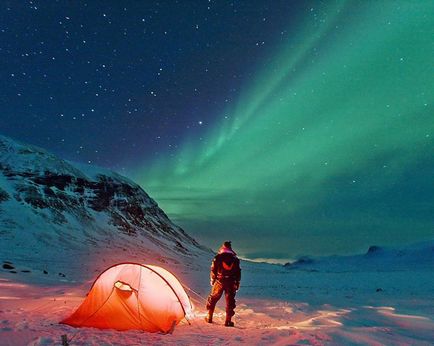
{"type": "Point", "coordinates": [57, 218]}
{"type": "Point", "coordinates": [380, 259]}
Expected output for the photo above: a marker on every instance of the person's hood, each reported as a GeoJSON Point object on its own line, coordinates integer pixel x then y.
{"type": "Point", "coordinates": [224, 249]}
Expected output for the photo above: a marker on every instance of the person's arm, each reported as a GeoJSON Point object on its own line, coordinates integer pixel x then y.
{"type": "Point", "coordinates": [213, 272]}
{"type": "Point", "coordinates": [237, 274]}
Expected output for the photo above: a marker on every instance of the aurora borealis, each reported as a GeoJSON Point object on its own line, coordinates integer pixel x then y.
{"type": "Point", "coordinates": [327, 150]}
{"type": "Point", "coordinates": [289, 127]}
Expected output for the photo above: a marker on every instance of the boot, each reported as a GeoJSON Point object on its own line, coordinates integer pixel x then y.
{"type": "Point", "coordinates": [228, 322]}
{"type": "Point", "coordinates": [208, 317]}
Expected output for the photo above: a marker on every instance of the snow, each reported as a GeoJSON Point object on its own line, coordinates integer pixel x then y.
{"type": "Point", "coordinates": [29, 158]}
{"type": "Point", "coordinates": [382, 297]}
{"type": "Point", "coordinates": [93, 172]}
{"type": "Point", "coordinates": [42, 223]}
{"type": "Point", "coordinates": [275, 306]}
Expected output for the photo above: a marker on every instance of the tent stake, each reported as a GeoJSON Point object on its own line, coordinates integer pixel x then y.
{"type": "Point", "coordinates": [64, 338]}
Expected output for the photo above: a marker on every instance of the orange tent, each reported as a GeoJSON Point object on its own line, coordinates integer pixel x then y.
{"type": "Point", "coordinates": [133, 296]}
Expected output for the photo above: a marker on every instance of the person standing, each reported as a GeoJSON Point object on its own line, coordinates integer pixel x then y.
{"type": "Point", "coordinates": [225, 277]}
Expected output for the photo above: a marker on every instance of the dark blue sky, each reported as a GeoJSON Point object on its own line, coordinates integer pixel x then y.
{"type": "Point", "coordinates": [115, 82]}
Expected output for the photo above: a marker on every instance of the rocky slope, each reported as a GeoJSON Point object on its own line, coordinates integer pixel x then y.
{"type": "Point", "coordinates": [57, 217]}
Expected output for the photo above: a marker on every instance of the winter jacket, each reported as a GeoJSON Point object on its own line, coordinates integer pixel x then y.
{"type": "Point", "coordinates": [225, 267]}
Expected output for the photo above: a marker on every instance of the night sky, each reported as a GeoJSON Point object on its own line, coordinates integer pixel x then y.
{"type": "Point", "coordinates": [289, 127]}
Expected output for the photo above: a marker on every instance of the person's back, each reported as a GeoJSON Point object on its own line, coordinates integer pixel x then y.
{"type": "Point", "coordinates": [225, 266]}
{"type": "Point", "coordinates": [225, 277]}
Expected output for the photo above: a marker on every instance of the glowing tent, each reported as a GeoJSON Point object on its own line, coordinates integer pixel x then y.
{"type": "Point", "coordinates": [133, 296]}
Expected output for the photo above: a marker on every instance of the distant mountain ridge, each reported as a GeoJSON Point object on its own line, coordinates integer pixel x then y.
{"type": "Point", "coordinates": [415, 256]}
{"type": "Point", "coordinates": [51, 208]}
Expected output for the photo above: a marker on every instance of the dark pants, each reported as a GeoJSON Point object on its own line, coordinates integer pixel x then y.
{"type": "Point", "coordinates": [216, 292]}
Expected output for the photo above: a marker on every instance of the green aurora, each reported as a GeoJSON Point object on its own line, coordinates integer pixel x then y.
{"type": "Point", "coordinates": [328, 150]}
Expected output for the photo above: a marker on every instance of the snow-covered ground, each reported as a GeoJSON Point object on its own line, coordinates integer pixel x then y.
{"type": "Point", "coordinates": [276, 306]}
{"type": "Point", "coordinates": [62, 224]}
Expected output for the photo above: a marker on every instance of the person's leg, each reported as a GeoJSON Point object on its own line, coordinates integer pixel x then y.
{"type": "Point", "coordinates": [216, 293]}
{"type": "Point", "coordinates": [230, 303]}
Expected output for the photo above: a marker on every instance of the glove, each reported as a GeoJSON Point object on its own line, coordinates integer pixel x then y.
{"type": "Point", "coordinates": [236, 286]}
